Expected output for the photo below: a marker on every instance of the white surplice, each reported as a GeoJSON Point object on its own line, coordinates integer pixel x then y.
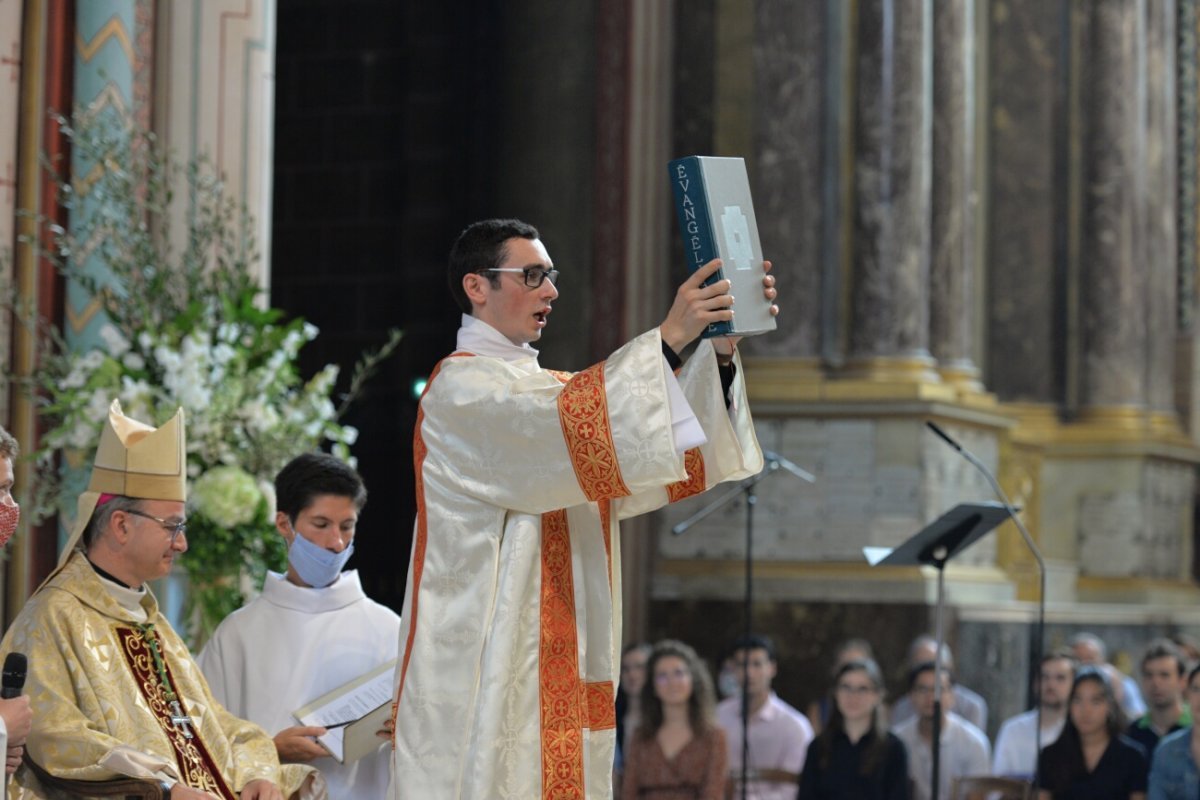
{"type": "Point", "coordinates": [292, 644]}
{"type": "Point", "coordinates": [511, 629]}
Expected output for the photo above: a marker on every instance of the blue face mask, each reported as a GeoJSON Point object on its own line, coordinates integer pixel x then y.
{"type": "Point", "coordinates": [315, 565]}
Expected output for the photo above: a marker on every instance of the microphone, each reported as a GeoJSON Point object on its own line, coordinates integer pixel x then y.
{"type": "Point", "coordinates": [947, 438]}
{"type": "Point", "coordinates": [12, 680]}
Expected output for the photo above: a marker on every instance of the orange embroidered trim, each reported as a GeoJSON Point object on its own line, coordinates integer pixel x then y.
{"type": "Point", "coordinates": [196, 764]}
{"type": "Point", "coordinates": [561, 376]}
{"type": "Point", "coordinates": [422, 535]}
{"type": "Point", "coordinates": [693, 484]}
{"type": "Point", "coordinates": [583, 413]}
{"type": "Point", "coordinates": [562, 704]}
{"type": "Point", "coordinates": [600, 702]}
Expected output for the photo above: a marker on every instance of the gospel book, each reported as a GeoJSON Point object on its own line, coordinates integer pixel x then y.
{"type": "Point", "coordinates": [716, 218]}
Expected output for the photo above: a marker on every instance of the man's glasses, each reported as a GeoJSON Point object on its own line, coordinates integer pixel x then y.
{"type": "Point", "coordinates": [175, 528]}
{"type": "Point", "coordinates": [534, 276]}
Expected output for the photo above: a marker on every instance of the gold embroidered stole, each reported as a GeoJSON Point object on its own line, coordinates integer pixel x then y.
{"type": "Point", "coordinates": [158, 687]}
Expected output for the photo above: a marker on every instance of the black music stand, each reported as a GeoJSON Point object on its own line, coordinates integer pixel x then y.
{"type": "Point", "coordinates": [936, 544]}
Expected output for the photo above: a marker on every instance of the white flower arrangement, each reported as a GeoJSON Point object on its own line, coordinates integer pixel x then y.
{"type": "Point", "coordinates": [186, 330]}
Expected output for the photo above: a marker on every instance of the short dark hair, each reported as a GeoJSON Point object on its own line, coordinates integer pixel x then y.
{"type": "Point", "coordinates": [1165, 648]}
{"type": "Point", "coordinates": [754, 641]}
{"type": "Point", "coordinates": [103, 513]}
{"type": "Point", "coordinates": [1059, 654]}
{"type": "Point", "coordinates": [927, 666]}
{"type": "Point", "coordinates": [8, 445]}
{"type": "Point", "coordinates": [480, 247]}
{"type": "Point", "coordinates": [310, 475]}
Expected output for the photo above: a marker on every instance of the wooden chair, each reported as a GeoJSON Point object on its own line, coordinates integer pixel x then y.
{"type": "Point", "coordinates": [990, 787]}
{"type": "Point", "coordinates": [65, 789]}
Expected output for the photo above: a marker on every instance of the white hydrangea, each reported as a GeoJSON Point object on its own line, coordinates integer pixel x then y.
{"type": "Point", "coordinates": [227, 495]}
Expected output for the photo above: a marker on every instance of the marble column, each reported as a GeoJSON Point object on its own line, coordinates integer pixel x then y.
{"type": "Point", "coordinates": [10, 95]}
{"type": "Point", "coordinates": [1026, 115]}
{"type": "Point", "coordinates": [791, 71]}
{"type": "Point", "coordinates": [109, 65]}
{"type": "Point", "coordinates": [1113, 281]}
{"type": "Point", "coordinates": [954, 195]}
{"type": "Point", "coordinates": [1161, 208]}
{"type": "Point", "coordinates": [889, 325]}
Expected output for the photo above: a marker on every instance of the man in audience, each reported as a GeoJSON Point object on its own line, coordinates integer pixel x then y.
{"type": "Point", "coordinates": [1090, 650]}
{"type": "Point", "coordinates": [967, 704]}
{"type": "Point", "coordinates": [1164, 681]}
{"type": "Point", "coordinates": [964, 748]}
{"type": "Point", "coordinates": [315, 619]}
{"type": "Point", "coordinates": [1173, 772]}
{"type": "Point", "coordinates": [1016, 742]}
{"type": "Point", "coordinates": [115, 691]}
{"type": "Point", "coordinates": [779, 734]}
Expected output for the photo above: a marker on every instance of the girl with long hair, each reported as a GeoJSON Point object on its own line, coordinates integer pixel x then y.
{"type": "Point", "coordinates": [677, 751]}
{"type": "Point", "coordinates": [854, 757]}
{"type": "Point", "coordinates": [1092, 760]}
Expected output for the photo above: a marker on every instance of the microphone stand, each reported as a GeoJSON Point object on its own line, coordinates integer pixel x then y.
{"type": "Point", "coordinates": [772, 462]}
{"type": "Point", "coordinates": [1039, 630]}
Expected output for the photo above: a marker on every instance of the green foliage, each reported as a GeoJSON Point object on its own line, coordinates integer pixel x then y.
{"type": "Point", "coordinates": [190, 329]}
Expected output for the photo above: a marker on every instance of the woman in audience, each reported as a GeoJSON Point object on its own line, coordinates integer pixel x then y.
{"type": "Point", "coordinates": [629, 700]}
{"type": "Point", "coordinates": [854, 757]}
{"type": "Point", "coordinates": [818, 711]}
{"type": "Point", "coordinates": [1091, 759]}
{"type": "Point", "coordinates": [677, 751]}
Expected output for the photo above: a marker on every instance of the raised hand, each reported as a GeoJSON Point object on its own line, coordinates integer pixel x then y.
{"type": "Point", "coordinates": [695, 307]}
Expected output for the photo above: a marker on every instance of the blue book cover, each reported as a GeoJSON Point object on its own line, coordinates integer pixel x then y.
{"type": "Point", "coordinates": [716, 219]}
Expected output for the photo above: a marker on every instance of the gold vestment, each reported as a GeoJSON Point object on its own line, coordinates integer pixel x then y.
{"type": "Point", "coordinates": [99, 711]}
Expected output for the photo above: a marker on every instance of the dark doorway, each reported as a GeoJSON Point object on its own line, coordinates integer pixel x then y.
{"type": "Point", "coordinates": [377, 137]}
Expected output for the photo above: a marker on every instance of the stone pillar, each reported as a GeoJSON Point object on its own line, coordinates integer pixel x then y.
{"type": "Point", "coordinates": [889, 325]}
{"type": "Point", "coordinates": [648, 221]}
{"type": "Point", "coordinates": [791, 202]}
{"type": "Point", "coordinates": [10, 95]}
{"type": "Point", "coordinates": [110, 66]}
{"type": "Point", "coordinates": [1161, 198]}
{"type": "Point", "coordinates": [952, 268]}
{"type": "Point", "coordinates": [1026, 111]}
{"type": "Point", "coordinates": [1113, 281]}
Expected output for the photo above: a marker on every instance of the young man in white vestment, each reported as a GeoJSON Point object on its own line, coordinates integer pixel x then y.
{"type": "Point", "coordinates": [512, 621]}
{"type": "Point", "coordinates": [115, 691]}
{"type": "Point", "coordinates": [317, 627]}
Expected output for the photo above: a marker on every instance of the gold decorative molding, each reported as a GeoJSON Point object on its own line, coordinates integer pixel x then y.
{"type": "Point", "coordinates": [113, 29]}
{"type": "Point", "coordinates": [906, 369]}
{"type": "Point", "coordinates": [965, 378]}
{"type": "Point", "coordinates": [1137, 590]}
{"type": "Point", "coordinates": [804, 381]}
{"type": "Point", "coordinates": [1103, 432]}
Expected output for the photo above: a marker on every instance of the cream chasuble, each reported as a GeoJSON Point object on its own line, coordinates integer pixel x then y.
{"type": "Point", "coordinates": [511, 629]}
{"type": "Point", "coordinates": [98, 705]}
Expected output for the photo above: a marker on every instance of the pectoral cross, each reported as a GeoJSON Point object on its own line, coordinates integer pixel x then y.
{"type": "Point", "coordinates": [181, 720]}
